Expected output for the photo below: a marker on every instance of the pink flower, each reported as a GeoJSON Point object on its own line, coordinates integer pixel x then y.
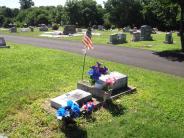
{"type": "Point", "coordinates": [110, 81]}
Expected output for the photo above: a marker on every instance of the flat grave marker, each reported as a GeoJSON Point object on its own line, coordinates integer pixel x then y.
{"type": "Point", "coordinates": [78, 96]}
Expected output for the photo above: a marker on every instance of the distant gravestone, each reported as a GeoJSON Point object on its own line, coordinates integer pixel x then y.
{"type": "Point", "coordinates": [154, 30]}
{"type": "Point", "coordinates": [136, 36]}
{"type": "Point", "coordinates": [78, 96]}
{"type": "Point", "coordinates": [31, 28]}
{"type": "Point", "coordinates": [24, 29]}
{"type": "Point", "coordinates": [79, 29]}
{"type": "Point", "coordinates": [69, 29]}
{"type": "Point", "coordinates": [168, 38]}
{"type": "Point", "coordinates": [100, 27]}
{"type": "Point", "coordinates": [3, 43]}
{"type": "Point", "coordinates": [146, 33]}
{"type": "Point", "coordinates": [131, 31]}
{"type": "Point", "coordinates": [88, 33]}
{"type": "Point", "coordinates": [126, 29]}
{"type": "Point", "coordinates": [13, 29]}
{"type": "Point", "coordinates": [135, 29]}
{"type": "Point", "coordinates": [117, 39]}
{"type": "Point", "coordinates": [43, 28]}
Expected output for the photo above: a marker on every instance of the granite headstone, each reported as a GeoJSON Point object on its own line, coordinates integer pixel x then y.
{"type": "Point", "coordinates": [3, 43]}
{"type": "Point", "coordinates": [168, 38]}
{"type": "Point", "coordinates": [13, 29]}
{"type": "Point", "coordinates": [126, 29]}
{"type": "Point", "coordinates": [146, 33]}
{"type": "Point", "coordinates": [78, 96]}
{"type": "Point", "coordinates": [136, 36]}
{"type": "Point", "coordinates": [43, 28]}
{"type": "Point", "coordinates": [69, 29]}
{"type": "Point", "coordinates": [117, 38]}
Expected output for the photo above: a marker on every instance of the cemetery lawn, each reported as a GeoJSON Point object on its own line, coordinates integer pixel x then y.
{"type": "Point", "coordinates": [155, 45]}
{"type": "Point", "coordinates": [30, 76]}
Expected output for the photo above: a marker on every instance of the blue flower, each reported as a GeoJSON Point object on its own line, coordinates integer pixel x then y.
{"type": "Point", "coordinates": [96, 71]}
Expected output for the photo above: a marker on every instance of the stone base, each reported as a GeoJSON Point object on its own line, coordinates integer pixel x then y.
{"type": "Point", "coordinates": [98, 93]}
{"type": "Point", "coordinates": [146, 38]}
{"type": "Point", "coordinates": [98, 102]}
{"type": "Point", "coordinates": [78, 96]}
{"type": "Point", "coordinates": [4, 46]}
{"type": "Point", "coordinates": [168, 42]}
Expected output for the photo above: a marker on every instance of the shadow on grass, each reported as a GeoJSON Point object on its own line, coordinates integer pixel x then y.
{"type": "Point", "coordinates": [172, 55]}
{"type": "Point", "coordinates": [72, 130]}
{"type": "Point", "coordinates": [114, 109]}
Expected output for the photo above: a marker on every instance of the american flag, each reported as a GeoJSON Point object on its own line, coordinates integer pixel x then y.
{"type": "Point", "coordinates": [87, 42]}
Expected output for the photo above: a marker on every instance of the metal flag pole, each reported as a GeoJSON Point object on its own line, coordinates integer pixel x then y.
{"type": "Point", "coordinates": [84, 63]}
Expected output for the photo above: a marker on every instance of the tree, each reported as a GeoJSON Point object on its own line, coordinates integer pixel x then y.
{"type": "Point", "coordinates": [181, 4]}
{"type": "Point", "coordinates": [25, 4]}
{"type": "Point", "coordinates": [160, 14]}
{"type": "Point", "coordinates": [73, 9]}
{"type": "Point", "coordinates": [2, 19]}
{"type": "Point", "coordinates": [84, 12]}
{"type": "Point", "coordinates": [124, 12]}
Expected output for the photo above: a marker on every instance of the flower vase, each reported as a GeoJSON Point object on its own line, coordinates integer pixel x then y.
{"type": "Point", "coordinates": [107, 95]}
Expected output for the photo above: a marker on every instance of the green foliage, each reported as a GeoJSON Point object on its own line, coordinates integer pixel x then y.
{"type": "Point", "coordinates": [84, 12]}
{"type": "Point", "coordinates": [42, 19]}
{"type": "Point", "coordinates": [124, 12]}
{"type": "Point", "coordinates": [55, 26]}
{"type": "Point", "coordinates": [160, 14]}
{"type": "Point", "coordinates": [6, 22]}
{"type": "Point", "coordinates": [2, 19]}
{"type": "Point", "coordinates": [26, 4]}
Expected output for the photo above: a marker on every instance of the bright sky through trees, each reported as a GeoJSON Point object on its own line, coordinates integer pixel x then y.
{"type": "Point", "coordinates": [15, 3]}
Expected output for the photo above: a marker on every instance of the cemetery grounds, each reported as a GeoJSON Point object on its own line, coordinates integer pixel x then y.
{"type": "Point", "coordinates": [30, 76]}
{"type": "Point", "coordinates": [155, 45]}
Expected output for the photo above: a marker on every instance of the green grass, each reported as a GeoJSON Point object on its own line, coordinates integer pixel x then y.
{"type": "Point", "coordinates": [30, 76]}
{"type": "Point", "coordinates": [155, 45]}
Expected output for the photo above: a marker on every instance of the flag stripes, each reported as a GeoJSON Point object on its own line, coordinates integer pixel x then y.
{"type": "Point", "coordinates": [87, 42]}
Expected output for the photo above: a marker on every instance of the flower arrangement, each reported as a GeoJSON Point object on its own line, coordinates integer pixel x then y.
{"type": "Point", "coordinates": [109, 83]}
{"type": "Point", "coordinates": [72, 110]}
{"type": "Point", "coordinates": [108, 87]}
{"type": "Point", "coordinates": [88, 107]}
{"type": "Point", "coordinates": [96, 71]}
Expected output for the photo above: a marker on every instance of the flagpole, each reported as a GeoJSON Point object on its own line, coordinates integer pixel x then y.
{"type": "Point", "coordinates": [84, 62]}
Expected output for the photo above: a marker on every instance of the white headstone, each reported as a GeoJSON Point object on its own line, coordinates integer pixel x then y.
{"type": "Point", "coordinates": [121, 80]}
{"type": "Point", "coordinates": [78, 96]}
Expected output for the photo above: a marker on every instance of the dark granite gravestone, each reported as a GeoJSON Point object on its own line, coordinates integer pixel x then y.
{"type": "Point", "coordinates": [146, 33]}
{"type": "Point", "coordinates": [168, 38]}
{"type": "Point", "coordinates": [3, 43]}
{"type": "Point", "coordinates": [117, 39]}
{"type": "Point", "coordinates": [100, 27]}
{"type": "Point", "coordinates": [88, 32]}
{"type": "Point", "coordinates": [69, 29]}
{"type": "Point", "coordinates": [13, 29]}
{"type": "Point", "coordinates": [43, 28]}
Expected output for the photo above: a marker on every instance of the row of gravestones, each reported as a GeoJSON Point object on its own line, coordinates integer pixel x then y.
{"type": "Point", "coordinates": [143, 35]}
{"type": "Point", "coordinates": [14, 29]}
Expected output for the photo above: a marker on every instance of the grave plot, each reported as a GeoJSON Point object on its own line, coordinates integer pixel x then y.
{"type": "Point", "coordinates": [92, 94]}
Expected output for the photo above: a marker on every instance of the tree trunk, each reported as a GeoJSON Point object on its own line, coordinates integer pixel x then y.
{"type": "Point", "coordinates": [182, 27]}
